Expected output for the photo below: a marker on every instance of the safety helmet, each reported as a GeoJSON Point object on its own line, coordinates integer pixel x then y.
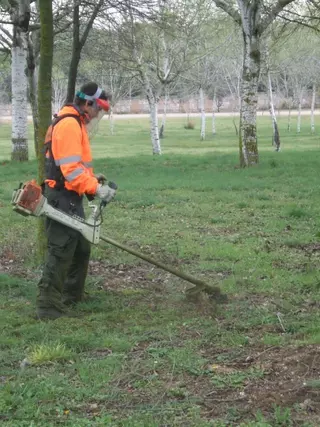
{"type": "Point", "coordinates": [98, 99]}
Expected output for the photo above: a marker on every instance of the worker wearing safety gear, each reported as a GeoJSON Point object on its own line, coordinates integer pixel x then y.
{"type": "Point", "coordinates": [69, 176]}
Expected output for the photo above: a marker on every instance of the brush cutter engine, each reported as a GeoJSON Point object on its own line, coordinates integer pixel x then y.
{"type": "Point", "coordinates": [29, 200]}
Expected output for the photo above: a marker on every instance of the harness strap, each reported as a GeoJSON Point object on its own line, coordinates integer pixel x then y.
{"type": "Point", "coordinates": [54, 170]}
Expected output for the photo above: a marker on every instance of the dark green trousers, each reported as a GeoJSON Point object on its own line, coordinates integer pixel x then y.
{"type": "Point", "coordinates": [65, 270]}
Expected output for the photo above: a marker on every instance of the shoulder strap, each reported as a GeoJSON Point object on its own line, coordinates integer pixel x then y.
{"type": "Point", "coordinates": [57, 119]}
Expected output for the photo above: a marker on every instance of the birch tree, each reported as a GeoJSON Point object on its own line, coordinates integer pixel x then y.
{"type": "Point", "coordinates": [31, 43]}
{"type": "Point", "coordinates": [254, 17]}
{"type": "Point", "coordinates": [20, 17]}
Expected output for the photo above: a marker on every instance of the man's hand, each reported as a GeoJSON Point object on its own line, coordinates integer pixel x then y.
{"type": "Point", "coordinates": [105, 193]}
{"type": "Point", "coordinates": [101, 178]}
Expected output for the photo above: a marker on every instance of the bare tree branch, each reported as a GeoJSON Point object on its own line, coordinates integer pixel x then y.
{"type": "Point", "coordinates": [274, 12]}
{"type": "Point", "coordinates": [229, 9]}
{"type": "Point", "coordinates": [95, 12]}
{"type": "Point", "coordinates": [6, 22]}
{"type": "Point", "coordinates": [6, 32]}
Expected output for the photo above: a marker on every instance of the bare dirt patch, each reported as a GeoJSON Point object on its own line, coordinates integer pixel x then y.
{"type": "Point", "coordinates": [123, 276]}
{"type": "Point", "coordinates": [290, 379]}
{"type": "Point", "coordinates": [12, 264]}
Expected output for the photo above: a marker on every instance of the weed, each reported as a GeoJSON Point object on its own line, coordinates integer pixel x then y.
{"type": "Point", "coordinates": [282, 417]}
{"type": "Point", "coordinates": [44, 353]}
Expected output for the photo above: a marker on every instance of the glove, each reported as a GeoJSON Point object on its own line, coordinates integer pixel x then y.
{"type": "Point", "coordinates": [101, 178]}
{"type": "Point", "coordinates": [105, 193]}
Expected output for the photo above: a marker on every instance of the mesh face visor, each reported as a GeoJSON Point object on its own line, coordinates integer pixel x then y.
{"type": "Point", "coordinates": [93, 125]}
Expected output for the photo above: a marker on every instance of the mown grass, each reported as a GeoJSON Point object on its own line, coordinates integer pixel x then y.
{"type": "Point", "coordinates": [141, 354]}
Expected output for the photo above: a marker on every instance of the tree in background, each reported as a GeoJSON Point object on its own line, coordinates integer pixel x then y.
{"type": "Point", "coordinates": [20, 32]}
{"type": "Point", "coordinates": [78, 40]}
{"type": "Point", "coordinates": [254, 17]}
{"type": "Point", "coordinates": [97, 65]}
{"type": "Point", "coordinates": [157, 50]}
{"type": "Point", "coordinates": [20, 17]}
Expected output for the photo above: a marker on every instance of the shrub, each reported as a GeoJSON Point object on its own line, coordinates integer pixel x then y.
{"type": "Point", "coordinates": [190, 125]}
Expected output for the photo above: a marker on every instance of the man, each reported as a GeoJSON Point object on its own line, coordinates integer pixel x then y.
{"type": "Point", "coordinates": [69, 176]}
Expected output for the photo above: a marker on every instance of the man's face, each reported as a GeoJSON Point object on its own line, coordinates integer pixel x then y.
{"type": "Point", "coordinates": [92, 110]}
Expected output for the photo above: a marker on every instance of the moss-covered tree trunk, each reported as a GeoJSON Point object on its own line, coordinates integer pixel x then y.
{"type": "Point", "coordinates": [248, 145]}
{"type": "Point", "coordinates": [44, 96]}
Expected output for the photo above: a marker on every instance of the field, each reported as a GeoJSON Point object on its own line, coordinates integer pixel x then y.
{"type": "Point", "coordinates": [140, 354]}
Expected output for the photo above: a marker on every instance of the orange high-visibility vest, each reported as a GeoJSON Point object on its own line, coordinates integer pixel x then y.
{"type": "Point", "coordinates": [70, 148]}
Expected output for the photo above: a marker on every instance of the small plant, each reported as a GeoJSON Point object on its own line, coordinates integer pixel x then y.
{"type": "Point", "coordinates": [44, 353]}
{"type": "Point", "coordinates": [282, 417]}
{"type": "Point", "coordinates": [190, 125]}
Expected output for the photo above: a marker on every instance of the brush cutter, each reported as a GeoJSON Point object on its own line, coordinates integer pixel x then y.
{"type": "Point", "coordinates": [29, 200]}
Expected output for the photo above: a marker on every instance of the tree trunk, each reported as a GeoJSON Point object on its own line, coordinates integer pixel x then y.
{"type": "Point", "coordinates": [313, 102]}
{"type": "Point", "coordinates": [20, 17]}
{"type": "Point", "coordinates": [111, 120]}
{"type": "Point", "coordinates": [75, 56]}
{"type": "Point", "coordinates": [276, 136]}
{"type": "Point", "coordinates": [188, 111]}
{"type": "Point", "coordinates": [164, 115]}
{"type": "Point", "coordinates": [203, 115]}
{"type": "Point", "coordinates": [213, 118]}
{"type": "Point", "coordinates": [289, 119]}
{"type": "Point", "coordinates": [299, 113]}
{"type": "Point", "coordinates": [33, 99]}
{"type": "Point", "coordinates": [155, 140]}
{"type": "Point", "coordinates": [44, 97]}
{"type": "Point", "coordinates": [153, 106]}
{"type": "Point", "coordinates": [248, 145]}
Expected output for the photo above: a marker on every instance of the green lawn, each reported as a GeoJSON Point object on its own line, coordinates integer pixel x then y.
{"type": "Point", "coordinates": [141, 354]}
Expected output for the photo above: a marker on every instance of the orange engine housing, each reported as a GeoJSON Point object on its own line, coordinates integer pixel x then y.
{"type": "Point", "coordinates": [31, 196]}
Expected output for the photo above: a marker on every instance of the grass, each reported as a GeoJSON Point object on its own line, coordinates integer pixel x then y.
{"type": "Point", "coordinates": [140, 354]}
